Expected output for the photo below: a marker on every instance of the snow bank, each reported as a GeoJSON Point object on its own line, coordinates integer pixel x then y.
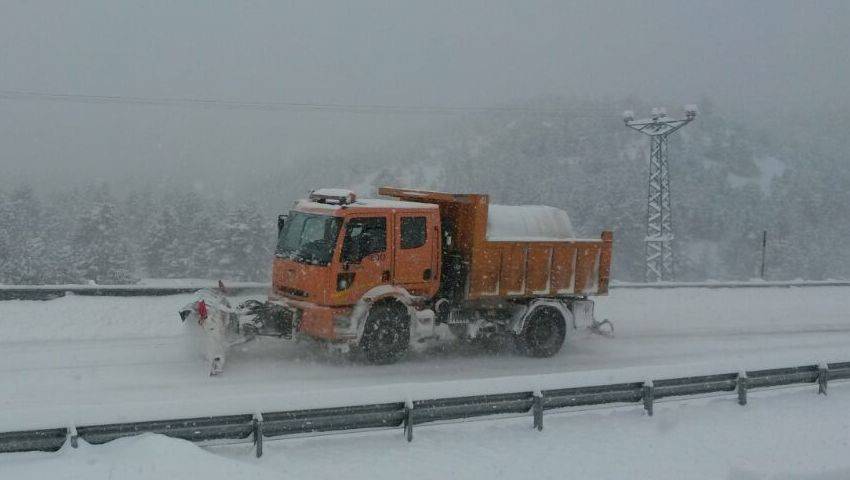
{"type": "Point", "coordinates": [527, 223]}
{"type": "Point", "coordinates": [85, 317]}
{"type": "Point", "coordinates": [144, 457]}
{"type": "Point", "coordinates": [778, 436]}
{"type": "Point", "coordinates": [692, 312]}
{"type": "Point", "coordinates": [694, 439]}
{"type": "Point", "coordinates": [88, 318]}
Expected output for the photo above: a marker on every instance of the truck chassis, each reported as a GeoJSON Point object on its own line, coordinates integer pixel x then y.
{"type": "Point", "coordinates": [536, 328]}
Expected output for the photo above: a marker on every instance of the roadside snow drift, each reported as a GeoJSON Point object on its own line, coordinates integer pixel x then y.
{"type": "Point", "coordinates": [144, 457]}
{"type": "Point", "coordinates": [781, 435]}
{"type": "Point", "coordinates": [88, 317]}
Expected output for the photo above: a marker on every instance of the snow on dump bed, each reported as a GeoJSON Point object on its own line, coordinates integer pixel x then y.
{"type": "Point", "coordinates": [527, 223]}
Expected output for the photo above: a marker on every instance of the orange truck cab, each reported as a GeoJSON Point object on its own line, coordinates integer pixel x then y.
{"type": "Point", "coordinates": [382, 275]}
{"type": "Point", "coordinates": [334, 253]}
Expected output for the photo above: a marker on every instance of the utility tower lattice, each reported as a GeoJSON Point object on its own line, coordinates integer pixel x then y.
{"type": "Point", "coordinates": [659, 222]}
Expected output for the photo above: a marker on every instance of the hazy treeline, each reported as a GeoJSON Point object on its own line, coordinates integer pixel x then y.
{"type": "Point", "coordinates": [92, 235]}
{"type": "Point", "coordinates": [729, 183]}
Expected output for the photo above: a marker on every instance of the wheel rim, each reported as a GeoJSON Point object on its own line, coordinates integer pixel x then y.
{"type": "Point", "coordinates": [387, 337]}
{"type": "Point", "coordinates": [543, 331]}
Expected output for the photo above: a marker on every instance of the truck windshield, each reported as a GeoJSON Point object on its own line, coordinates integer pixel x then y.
{"type": "Point", "coordinates": [308, 238]}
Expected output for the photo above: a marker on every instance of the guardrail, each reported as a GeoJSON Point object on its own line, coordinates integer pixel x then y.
{"type": "Point", "coordinates": [407, 414]}
{"type": "Point", "coordinates": [742, 284]}
{"type": "Point", "coordinates": [47, 292]}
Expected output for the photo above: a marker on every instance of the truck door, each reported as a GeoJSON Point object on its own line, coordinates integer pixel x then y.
{"type": "Point", "coordinates": [415, 235]}
{"type": "Point", "coordinates": [364, 260]}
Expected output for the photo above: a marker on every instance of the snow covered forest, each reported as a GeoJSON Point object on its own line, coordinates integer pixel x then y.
{"type": "Point", "coordinates": [729, 181]}
{"type": "Point", "coordinates": [96, 235]}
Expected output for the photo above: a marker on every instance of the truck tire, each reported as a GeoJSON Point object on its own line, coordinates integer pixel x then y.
{"type": "Point", "coordinates": [543, 334]}
{"type": "Point", "coordinates": [386, 335]}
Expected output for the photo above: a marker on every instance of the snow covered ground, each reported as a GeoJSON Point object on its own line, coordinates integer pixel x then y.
{"type": "Point", "coordinates": [85, 360]}
{"type": "Point", "coordinates": [781, 434]}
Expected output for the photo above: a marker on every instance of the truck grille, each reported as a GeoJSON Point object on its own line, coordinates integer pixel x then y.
{"type": "Point", "coordinates": [458, 318]}
{"type": "Point", "coordinates": [294, 292]}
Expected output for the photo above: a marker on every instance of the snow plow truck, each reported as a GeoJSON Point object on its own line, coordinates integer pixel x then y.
{"type": "Point", "coordinates": [381, 276]}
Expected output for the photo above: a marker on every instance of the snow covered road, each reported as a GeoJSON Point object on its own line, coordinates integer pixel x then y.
{"type": "Point", "coordinates": [86, 360]}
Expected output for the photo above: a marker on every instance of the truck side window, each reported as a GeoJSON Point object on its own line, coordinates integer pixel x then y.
{"type": "Point", "coordinates": [413, 232]}
{"type": "Point", "coordinates": [363, 237]}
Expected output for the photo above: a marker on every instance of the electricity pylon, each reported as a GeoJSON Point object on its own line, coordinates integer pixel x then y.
{"type": "Point", "coordinates": [659, 222]}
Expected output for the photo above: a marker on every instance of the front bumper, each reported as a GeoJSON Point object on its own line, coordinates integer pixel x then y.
{"type": "Point", "coordinates": [272, 318]}
{"type": "Point", "coordinates": [320, 322]}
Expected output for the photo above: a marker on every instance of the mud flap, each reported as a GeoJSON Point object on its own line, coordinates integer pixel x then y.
{"type": "Point", "coordinates": [583, 312]}
{"type": "Point", "coordinates": [604, 328]}
{"type": "Point", "coordinates": [425, 332]}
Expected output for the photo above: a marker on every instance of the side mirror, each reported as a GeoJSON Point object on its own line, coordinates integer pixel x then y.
{"type": "Point", "coordinates": [281, 221]}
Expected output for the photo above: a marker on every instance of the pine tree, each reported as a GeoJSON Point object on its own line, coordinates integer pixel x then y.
{"type": "Point", "coordinates": [25, 249]}
{"type": "Point", "coordinates": [61, 211]}
{"type": "Point", "coordinates": [138, 212]}
{"type": "Point", "coordinates": [5, 238]}
{"type": "Point", "coordinates": [200, 239]}
{"type": "Point", "coordinates": [101, 254]}
{"type": "Point", "coordinates": [243, 246]}
{"type": "Point", "coordinates": [161, 249]}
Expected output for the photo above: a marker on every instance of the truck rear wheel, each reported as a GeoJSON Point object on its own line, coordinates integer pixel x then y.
{"type": "Point", "coordinates": [387, 333]}
{"type": "Point", "coordinates": [544, 333]}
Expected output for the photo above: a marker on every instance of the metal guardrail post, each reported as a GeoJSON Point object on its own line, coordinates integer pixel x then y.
{"type": "Point", "coordinates": [394, 414]}
{"type": "Point", "coordinates": [823, 378]}
{"type": "Point", "coordinates": [741, 388]}
{"type": "Point", "coordinates": [537, 409]}
{"type": "Point", "coordinates": [258, 433]}
{"type": "Point", "coordinates": [648, 396]}
{"type": "Point", "coordinates": [73, 436]}
{"type": "Point", "coordinates": [408, 420]}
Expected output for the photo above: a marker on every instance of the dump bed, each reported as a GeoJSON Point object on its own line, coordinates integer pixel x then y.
{"type": "Point", "coordinates": [528, 264]}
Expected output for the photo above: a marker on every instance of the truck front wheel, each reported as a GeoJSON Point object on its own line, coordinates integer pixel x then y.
{"type": "Point", "coordinates": [543, 334]}
{"type": "Point", "coordinates": [386, 335]}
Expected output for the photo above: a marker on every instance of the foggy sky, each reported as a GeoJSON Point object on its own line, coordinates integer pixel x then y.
{"type": "Point", "coordinates": [751, 58]}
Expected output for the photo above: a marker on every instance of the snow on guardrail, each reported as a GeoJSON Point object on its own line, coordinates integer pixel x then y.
{"type": "Point", "coordinates": [47, 292]}
{"type": "Point", "coordinates": [395, 413]}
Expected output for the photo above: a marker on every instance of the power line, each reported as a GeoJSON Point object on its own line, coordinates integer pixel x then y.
{"type": "Point", "coordinates": [659, 221]}
{"type": "Point", "coordinates": [214, 103]}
